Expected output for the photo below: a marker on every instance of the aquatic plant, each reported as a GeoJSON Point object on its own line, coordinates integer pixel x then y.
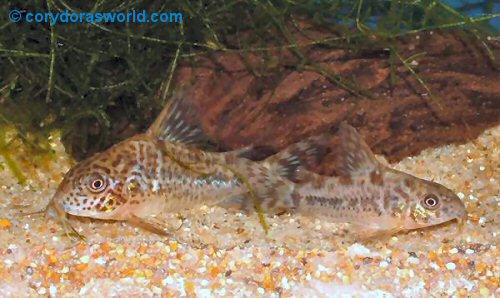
{"type": "Point", "coordinates": [98, 83]}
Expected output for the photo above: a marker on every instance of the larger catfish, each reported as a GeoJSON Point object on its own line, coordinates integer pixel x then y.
{"type": "Point", "coordinates": [161, 171]}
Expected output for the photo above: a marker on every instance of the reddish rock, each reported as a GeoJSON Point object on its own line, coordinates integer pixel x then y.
{"type": "Point", "coordinates": [268, 100]}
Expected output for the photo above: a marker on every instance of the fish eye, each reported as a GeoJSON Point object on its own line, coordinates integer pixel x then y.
{"type": "Point", "coordinates": [430, 201]}
{"type": "Point", "coordinates": [97, 183]}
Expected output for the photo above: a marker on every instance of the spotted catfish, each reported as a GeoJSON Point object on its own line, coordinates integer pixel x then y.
{"type": "Point", "coordinates": [164, 170]}
{"type": "Point", "coordinates": [374, 199]}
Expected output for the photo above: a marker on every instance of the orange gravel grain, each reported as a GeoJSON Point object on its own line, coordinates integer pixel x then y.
{"type": "Point", "coordinates": [51, 260]}
{"type": "Point", "coordinates": [128, 272]}
{"type": "Point", "coordinates": [268, 283]}
{"type": "Point", "coordinates": [55, 277]}
{"type": "Point", "coordinates": [214, 271]}
{"type": "Point", "coordinates": [81, 266]}
{"type": "Point", "coordinates": [5, 223]}
{"type": "Point", "coordinates": [105, 247]}
{"type": "Point", "coordinates": [189, 286]}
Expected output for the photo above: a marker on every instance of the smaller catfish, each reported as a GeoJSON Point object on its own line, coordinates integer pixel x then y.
{"type": "Point", "coordinates": [374, 199]}
{"type": "Point", "coordinates": [165, 170]}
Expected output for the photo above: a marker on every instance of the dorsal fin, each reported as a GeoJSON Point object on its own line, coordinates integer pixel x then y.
{"type": "Point", "coordinates": [355, 156]}
{"type": "Point", "coordinates": [176, 122]}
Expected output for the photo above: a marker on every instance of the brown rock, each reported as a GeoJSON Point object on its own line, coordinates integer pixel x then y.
{"type": "Point", "coordinates": [246, 99]}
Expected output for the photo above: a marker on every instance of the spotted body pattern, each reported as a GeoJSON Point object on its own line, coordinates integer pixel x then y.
{"type": "Point", "coordinates": [163, 171]}
{"type": "Point", "coordinates": [373, 198]}
{"type": "Point", "coordinates": [142, 169]}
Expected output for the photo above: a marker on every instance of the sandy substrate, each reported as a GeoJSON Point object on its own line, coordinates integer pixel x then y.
{"type": "Point", "coordinates": [221, 252]}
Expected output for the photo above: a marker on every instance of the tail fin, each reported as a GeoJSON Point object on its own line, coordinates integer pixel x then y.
{"type": "Point", "coordinates": [265, 186]}
{"type": "Point", "coordinates": [284, 164]}
{"type": "Point", "coordinates": [273, 180]}
{"type": "Point", "coordinates": [303, 154]}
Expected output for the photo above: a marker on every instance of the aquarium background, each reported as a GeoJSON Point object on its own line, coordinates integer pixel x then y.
{"type": "Point", "coordinates": [100, 83]}
{"type": "Point", "coordinates": [418, 79]}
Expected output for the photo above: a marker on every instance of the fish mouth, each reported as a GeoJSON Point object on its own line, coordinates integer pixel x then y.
{"type": "Point", "coordinates": [57, 203]}
{"type": "Point", "coordinates": [61, 212]}
{"type": "Point", "coordinates": [69, 230]}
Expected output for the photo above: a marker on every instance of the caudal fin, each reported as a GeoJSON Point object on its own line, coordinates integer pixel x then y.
{"type": "Point", "coordinates": [303, 154]}
{"type": "Point", "coordinates": [265, 186]}
{"type": "Point", "coordinates": [273, 180]}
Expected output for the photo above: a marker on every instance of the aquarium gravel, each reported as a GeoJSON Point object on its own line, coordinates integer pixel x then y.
{"type": "Point", "coordinates": [217, 252]}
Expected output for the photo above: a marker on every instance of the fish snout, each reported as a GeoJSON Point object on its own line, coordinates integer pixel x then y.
{"type": "Point", "coordinates": [61, 197]}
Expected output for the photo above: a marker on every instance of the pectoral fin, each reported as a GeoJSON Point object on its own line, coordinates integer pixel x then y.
{"type": "Point", "coordinates": [370, 231]}
{"type": "Point", "coordinates": [151, 224]}
{"type": "Point", "coordinates": [239, 202]}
